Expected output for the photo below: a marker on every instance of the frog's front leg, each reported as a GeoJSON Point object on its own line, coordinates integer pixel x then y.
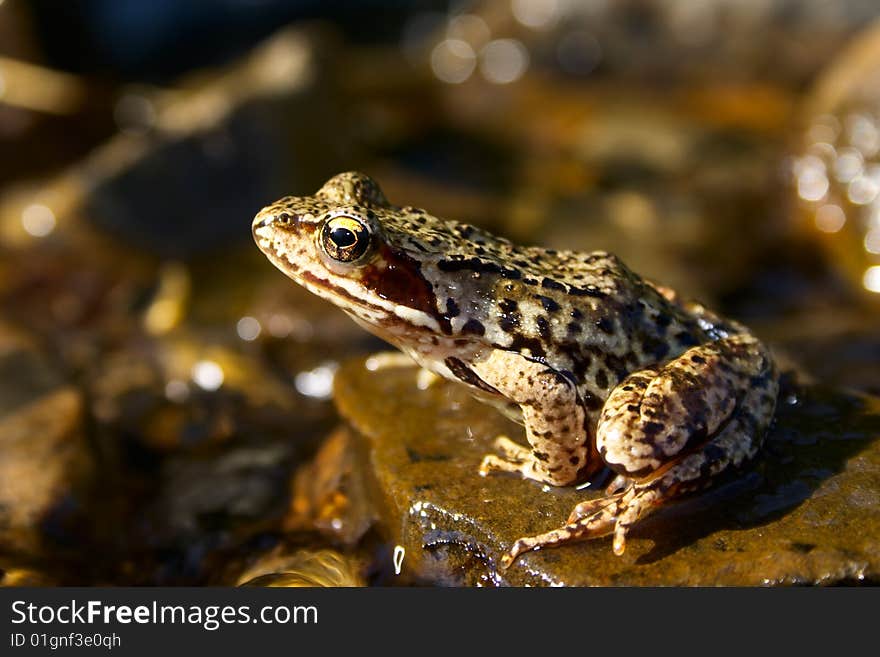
{"type": "Point", "coordinates": [671, 430]}
{"type": "Point", "coordinates": [552, 413]}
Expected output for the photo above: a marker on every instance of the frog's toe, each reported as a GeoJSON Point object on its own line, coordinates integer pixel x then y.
{"type": "Point", "coordinates": [514, 458]}
{"type": "Point", "coordinates": [591, 507]}
{"type": "Point", "coordinates": [493, 463]}
{"type": "Point", "coordinates": [600, 523]}
{"type": "Point", "coordinates": [511, 450]}
{"type": "Point", "coordinates": [617, 485]}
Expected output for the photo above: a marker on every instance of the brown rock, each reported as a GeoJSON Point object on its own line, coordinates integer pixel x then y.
{"type": "Point", "coordinates": [44, 459]}
{"type": "Point", "coordinates": [807, 512]}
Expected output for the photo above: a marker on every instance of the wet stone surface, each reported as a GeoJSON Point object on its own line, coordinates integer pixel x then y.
{"type": "Point", "coordinates": [46, 464]}
{"type": "Point", "coordinates": [806, 512]}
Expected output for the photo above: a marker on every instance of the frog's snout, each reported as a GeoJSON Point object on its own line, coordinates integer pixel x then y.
{"type": "Point", "coordinates": [264, 217]}
{"type": "Point", "coordinates": [271, 218]}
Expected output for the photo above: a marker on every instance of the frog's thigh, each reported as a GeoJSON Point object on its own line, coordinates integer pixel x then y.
{"type": "Point", "coordinates": [673, 430]}
{"type": "Point", "coordinates": [735, 443]}
{"type": "Point", "coordinates": [655, 416]}
{"type": "Point", "coordinates": [552, 414]}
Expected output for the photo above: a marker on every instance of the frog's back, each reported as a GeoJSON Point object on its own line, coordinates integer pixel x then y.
{"type": "Point", "coordinates": [587, 315]}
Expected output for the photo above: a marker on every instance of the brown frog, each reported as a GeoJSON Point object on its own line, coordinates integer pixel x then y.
{"type": "Point", "coordinates": [601, 367]}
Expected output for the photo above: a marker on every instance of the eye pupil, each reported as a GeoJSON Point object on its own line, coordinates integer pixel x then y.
{"type": "Point", "coordinates": [343, 237]}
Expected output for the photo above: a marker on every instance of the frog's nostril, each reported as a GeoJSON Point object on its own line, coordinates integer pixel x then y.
{"type": "Point", "coordinates": [267, 218]}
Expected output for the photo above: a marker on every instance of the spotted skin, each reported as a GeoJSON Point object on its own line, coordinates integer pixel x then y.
{"type": "Point", "coordinates": [601, 367]}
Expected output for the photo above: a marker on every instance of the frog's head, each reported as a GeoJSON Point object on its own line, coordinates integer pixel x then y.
{"type": "Point", "coordinates": [349, 245]}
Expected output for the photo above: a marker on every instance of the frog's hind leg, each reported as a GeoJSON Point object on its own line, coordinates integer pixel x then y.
{"type": "Point", "coordinates": [617, 513]}
{"type": "Point", "coordinates": [671, 431]}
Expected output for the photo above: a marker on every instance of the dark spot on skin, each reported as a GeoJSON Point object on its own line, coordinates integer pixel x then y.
{"type": "Point", "coordinates": [508, 305]}
{"type": "Point", "coordinates": [574, 328]}
{"type": "Point", "coordinates": [549, 304]}
{"type": "Point", "coordinates": [463, 373]}
{"type": "Point", "coordinates": [550, 284]}
{"type": "Point", "coordinates": [544, 327]}
{"type": "Point", "coordinates": [509, 323]}
{"type": "Point", "coordinates": [574, 460]}
{"type": "Point", "coordinates": [699, 435]}
{"type": "Point", "coordinates": [713, 453]}
{"type": "Point", "coordinates": [651, 429]}
{"type": "Point", "coordinates": [695, 358]}
{"type": "Point", "coordinates": [576, 314]}
{"type": "Point", "coordinates": [521, 343]}
{"type": "Point", "coordinates": [656, 348]}
{"type": "Point", "coordinates": [587, 291]}
{"type": "Point", "coordinates": [457, 262]}
{"type": "Point", "coordinates": [452, 309]}
{"type": "Point", "coordinates": [473, 327]}
{"type": "Point", "coordinates": [580, 361]}
{"type": "Point", "coordinates": [541, 456]}
{"type": "Point", "coordinates": [602, 379]}
{"type": "Point", "coordinates": [465, 230]}
{"type": "Point", "coordinates": [591, 401]}
{"type": "Point", "coordinates": [605, 325]}
{"type": "Point", "coordinates": [530, 281]}
{"type": "Point", "coordinates": [663, 320]}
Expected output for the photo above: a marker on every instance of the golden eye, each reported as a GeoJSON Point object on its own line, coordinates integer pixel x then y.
{"type": "Point", "coordinates": [345, 239]}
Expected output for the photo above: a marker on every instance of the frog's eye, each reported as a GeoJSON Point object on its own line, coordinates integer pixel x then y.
{"type": "Point", "coordinates": [345, 239]}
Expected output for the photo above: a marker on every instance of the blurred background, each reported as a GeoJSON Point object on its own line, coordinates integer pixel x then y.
{"type": "Point", "coordinates": [161, 385]}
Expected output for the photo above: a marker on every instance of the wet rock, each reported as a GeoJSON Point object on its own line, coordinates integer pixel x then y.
{"type": "Point", "coordinates": [330, 494]}
{"type": "Point", "coordinates": [303, 567]}
{"type": "Point", "coordinates": [807, 512]}
{"type": "Point", "coordinates": [45, 462]}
